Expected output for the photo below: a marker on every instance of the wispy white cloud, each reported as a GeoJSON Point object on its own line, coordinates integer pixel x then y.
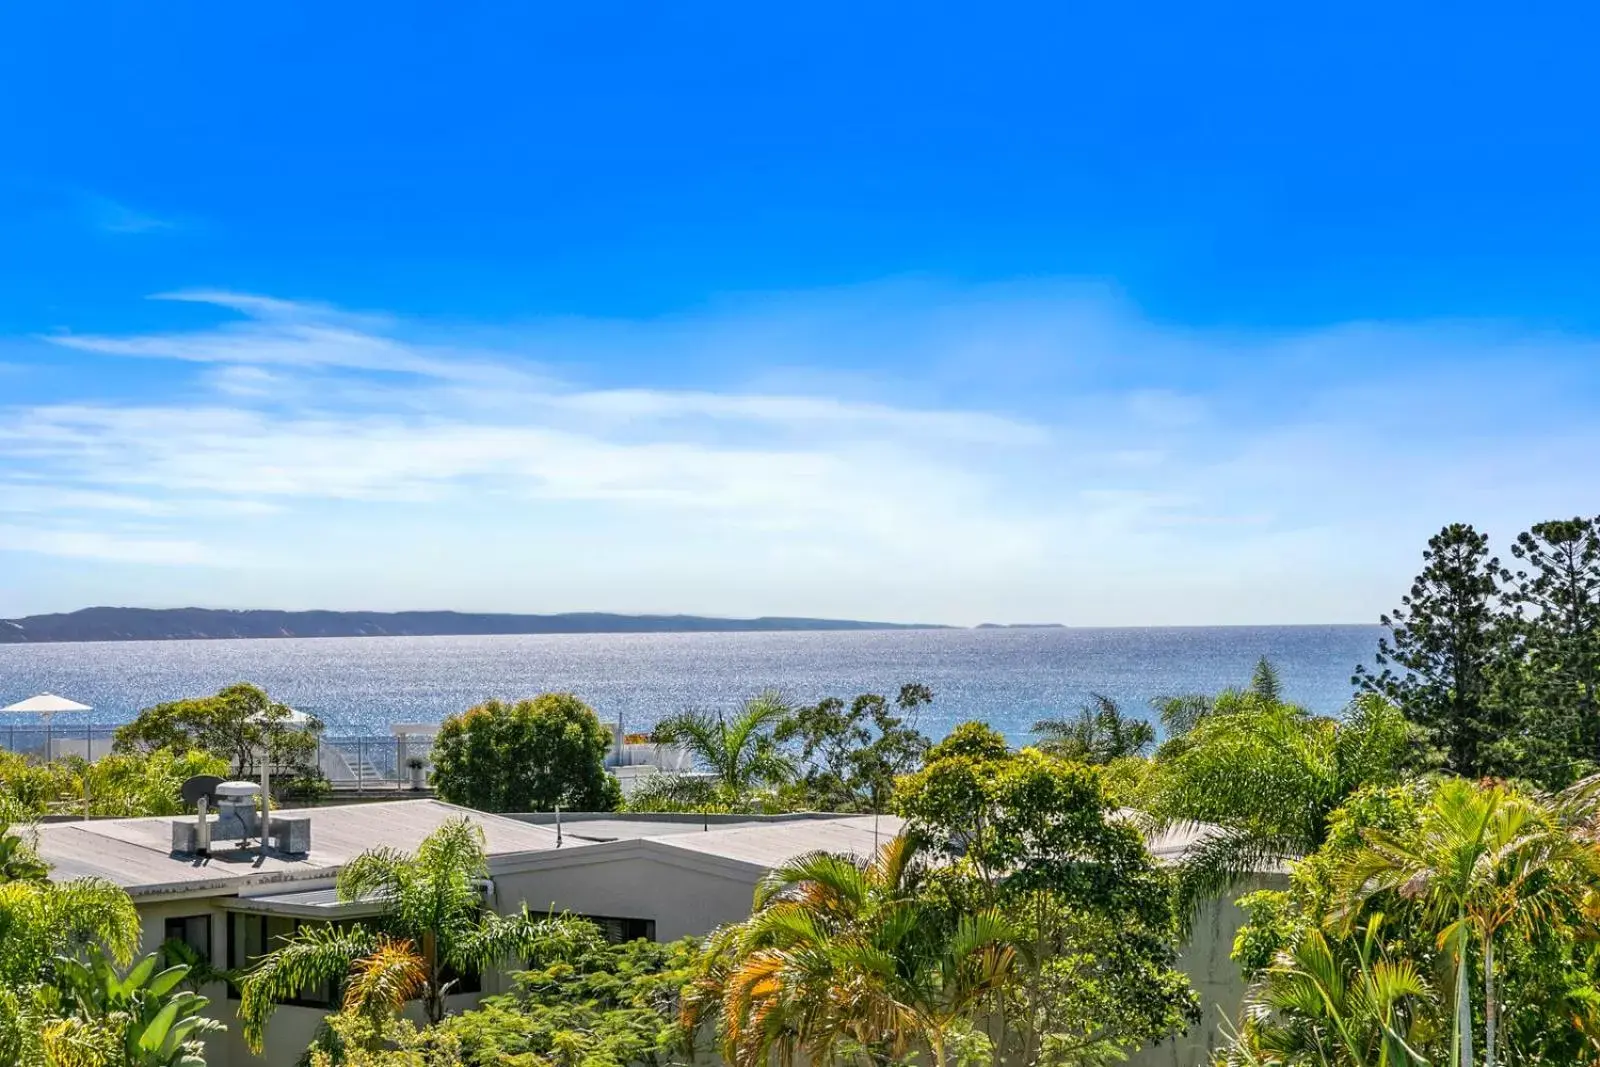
{"type": "Point", "coordinates": [115, 217]}
{"type": "Point", "coordinates": [92, 544]}
{"type": "Point", "coordinates": [971, 455]}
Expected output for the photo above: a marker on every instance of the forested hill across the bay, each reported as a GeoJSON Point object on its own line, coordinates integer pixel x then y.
{"type": "Point", "coordinates": [173, 624]}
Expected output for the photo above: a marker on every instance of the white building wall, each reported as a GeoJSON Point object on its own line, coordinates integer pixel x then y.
{"type": "Point", "coordinates": [680, 898]}
{"type": "Point", "coordinates": [684, 896]}
{"type": "Point", "coordinates": [1207, 960]}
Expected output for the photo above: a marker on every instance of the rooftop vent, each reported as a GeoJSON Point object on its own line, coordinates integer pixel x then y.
{"type": "Point", "coordinates": [238, 819]}
{"type": "Point", "coordinates": [236, 811]}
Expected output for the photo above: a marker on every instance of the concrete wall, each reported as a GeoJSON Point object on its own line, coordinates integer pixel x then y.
{"type": "Point", "coordinates": [1206, 959]}
{"type": "Point", "coordinates": [684, 897]}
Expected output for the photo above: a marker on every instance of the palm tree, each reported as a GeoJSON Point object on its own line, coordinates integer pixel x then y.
{"type": "Point", "coordinates": [1336, 1006]}
{"type": "Point", "coordinates": [1481, 860]}
{"type": "Point", "coordinates": [1180, 714]}
{"type": "Point", "coordinates": [42, 920]}
{"type": "Point", "coordinates": [1100, 733]}
{"type": "Point", "coordinates": [741, 753]}
{"type": "Point", "coordinates": [841, 958]}
{"type": "Point", "coordinates": [1266, 777]}
{"type": "Point", "coordinates": [432, 926]}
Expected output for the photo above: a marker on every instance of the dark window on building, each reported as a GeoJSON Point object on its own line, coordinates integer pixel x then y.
{"type": "Point", "coordinates": [617, 931]}
{"type": "Point", "coordinates": [191, 930]}
{"type": "Point", "coordinates": [252, 936]}
{"type": "Point", "coordinates": [470, 982]}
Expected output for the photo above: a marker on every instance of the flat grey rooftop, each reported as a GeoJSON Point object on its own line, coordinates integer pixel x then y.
{"type": "Point", "coordinates": [610, 826]}
{"type": "Point", "coordinates": [137, 853]}
{"type": "Point", "coordinates": [779, 838]}
{"type": "Point", "coordinates": [770, 845]}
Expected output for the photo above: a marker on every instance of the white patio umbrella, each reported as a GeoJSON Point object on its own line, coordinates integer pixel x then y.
{"type": "Point", "coordinates": [294, 718]}
{"type": "Point", "coordinates": [46, 705]}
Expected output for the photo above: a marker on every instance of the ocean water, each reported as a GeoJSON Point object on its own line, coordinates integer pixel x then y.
{"type": "Point", "coordinates": [1008, 678]}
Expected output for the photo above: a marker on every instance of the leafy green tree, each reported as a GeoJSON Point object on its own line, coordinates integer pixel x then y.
{"type": "Point", "coordinates": [741, 753]}
{"type": "Point", "coordinates": [1100, 733]}
{"type": "Point", "coordinates": [241, 724]}
{"type": "Point", "coordinates": [1036, 837]}
{"type": "Point", "coordinates": [361, 1039]}
{"type": "Point", "coordinates": [534, 755]}
{"type": "Point", "coordinates": [852, 753]}
{"type": "Point", "coordinates": [1446, 643]}
{"type": "Point", "coordinates": [1268, 776]}
{"type": "Point", "coordinates": [605, 1006]}
{"type": "Point", "coordinates": [843, 959]}
{"type": "Point", "coordinates": [160, 1023]}
{"type": "Point", "coordinates": [1556, 599]}
{"type": "Point", "coordinates": [432, 927]}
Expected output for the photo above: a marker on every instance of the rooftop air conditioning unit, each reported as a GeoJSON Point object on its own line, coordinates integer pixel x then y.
{"type": "Point", "coordinates": [238, 818]}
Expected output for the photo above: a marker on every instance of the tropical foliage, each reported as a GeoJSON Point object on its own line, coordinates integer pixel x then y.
{"type": "Point", "coordinates": [63, 1000]}
{"type": "Point", "coordinates": [432, 928]}
{"type": "Point", "coordinates": [740, 753]}
{"type": "Point", "coordinates": [1484, 894]}
{"type": "Point", "coordinates": [600, 1005]}
{"type": "Point", "coordinates": [1336, 1004]}
{"type": "Point", "coordinates": [1100, 733]}
{"type": "Point", "coordinates": [120, 785]}
{"type": "Point", "coordinates": [160, 1023]}
{"type": "Point", "coordinates": [1265, 776]}
{"type": "Point", "coordinates": [534, 755]}
{"type": "Point", "coordinates": [846, 961]}
{"type": "Point", "coordinates": [834, 755]}
{"type": "Point", "coordinates": [241, 725]}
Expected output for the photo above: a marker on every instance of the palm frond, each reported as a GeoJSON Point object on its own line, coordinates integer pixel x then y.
{"type": "Point", "coordinates": [385, 978]}
{"type": "Point", "coordinates": [1219, 861]}
{"type": "Point", "coordinates": [538, 941]}
{"type": "Point", "coordinates": [311, 957]}
{"type": "Point", "coordinates": [377, 873]}
{"type": "Point", "coordinates": [1180, 714]}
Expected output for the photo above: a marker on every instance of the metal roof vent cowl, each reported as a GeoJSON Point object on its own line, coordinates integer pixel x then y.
{"type": "Point", "coordinates": [237, 817]}
{"type": "Point", "coordinates": [238, 820]}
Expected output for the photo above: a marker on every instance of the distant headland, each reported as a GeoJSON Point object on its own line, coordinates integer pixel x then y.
{"type": "Point", "coordinates": [1020, 626]}
{"type": "Point", "coordinates": [188, 624]}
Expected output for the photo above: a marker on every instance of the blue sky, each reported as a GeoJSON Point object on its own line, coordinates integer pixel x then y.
{"type": "Point", "coordinates": [1112, 315]}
